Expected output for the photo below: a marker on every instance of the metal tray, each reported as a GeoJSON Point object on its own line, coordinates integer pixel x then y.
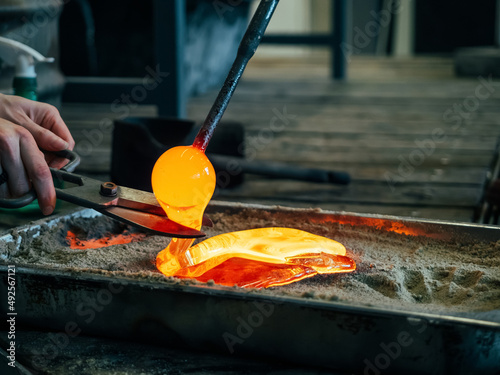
{"type": "Point", "coordinates": [312, 332]}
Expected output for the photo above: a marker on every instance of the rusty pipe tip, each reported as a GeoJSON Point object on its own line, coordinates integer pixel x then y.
{"type": "Point", "coordinates": [109, 189]}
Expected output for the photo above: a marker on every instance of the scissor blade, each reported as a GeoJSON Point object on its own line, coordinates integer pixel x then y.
{"type": "Point", "coordinates": [139, 200]}
{"type": "Point", "coordinates": [135, 207]}
{"type": "Point", "coordinates": [160, 225]}
{"type": "Point", "coordinates": [146, 202]}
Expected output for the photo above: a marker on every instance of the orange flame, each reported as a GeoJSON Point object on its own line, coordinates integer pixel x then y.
{"type": "Point", "coordinates": [380, 224]}
{"type": "Point", "coordinates": [77, 243]}
{"type": "Point", "coordinates": [183, 181]}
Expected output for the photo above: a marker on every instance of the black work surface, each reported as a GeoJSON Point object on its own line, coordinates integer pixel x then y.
{"type": "Point", "coordinates": [99, 356]}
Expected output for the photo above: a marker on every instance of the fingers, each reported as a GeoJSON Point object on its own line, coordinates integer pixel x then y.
{"type": "Point", "coordinates": [45, 138]}
{"type": "Point", "coordinates": [42, 120]}
{"type": "Point", "coordinates": [10, 156]}
{"type": "Point", "coordinates": [41, 127]}
{"type": "Point", "coordinates": [54, 161]}
{"type": "Point", "coordinates": [49, 130]}
{"type": "Point", "coordinates": [47, 117]}
{"type": "Point", "coordinates": [25, 164]}
{"type": "Point", "coordinates": [39, 173]}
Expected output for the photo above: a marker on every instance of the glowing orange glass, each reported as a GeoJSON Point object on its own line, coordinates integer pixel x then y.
{"type": "Point", "coordinates": [183, 182]}
{"type": "Point", "coordinates": [260, 257]}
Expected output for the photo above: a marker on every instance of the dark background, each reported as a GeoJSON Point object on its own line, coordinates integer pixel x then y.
{"type": "Point", "coordinates": [124, 31]}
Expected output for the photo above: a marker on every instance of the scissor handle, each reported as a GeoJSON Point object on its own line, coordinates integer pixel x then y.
{"type": "Point", "coordinates": [72, 156]}
{"type": "Point", "coordinates": [30, 196]}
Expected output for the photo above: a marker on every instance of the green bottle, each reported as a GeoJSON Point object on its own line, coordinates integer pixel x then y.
{"type": "Point", "coordinates": [25, 87]}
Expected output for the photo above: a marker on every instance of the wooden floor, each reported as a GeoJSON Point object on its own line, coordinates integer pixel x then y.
{"type": "Point", "coordinates": [391, 125]}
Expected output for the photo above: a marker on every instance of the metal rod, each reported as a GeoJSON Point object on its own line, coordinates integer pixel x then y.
{"type": "Point", "coordinates": [246, 50]}
{"type": "Point", "coordinates": [281, 170]}
{"type": "Point", "coordinates": [340, 16]}
{"type": "Point", "coordinates": [497, 24]}
{"type": "Point", "coordinates": [169, 40]}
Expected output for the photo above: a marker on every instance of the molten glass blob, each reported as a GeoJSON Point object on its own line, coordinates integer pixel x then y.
{"type": "Point", "coordinates": [183, 182]}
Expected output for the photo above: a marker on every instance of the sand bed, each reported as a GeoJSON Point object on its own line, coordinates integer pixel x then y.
{"type": "Point", "coordinates": [395, 271]}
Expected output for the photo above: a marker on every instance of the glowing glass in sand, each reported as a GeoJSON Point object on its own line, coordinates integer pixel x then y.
{"type": "Point", "coordinates": [183, 181]}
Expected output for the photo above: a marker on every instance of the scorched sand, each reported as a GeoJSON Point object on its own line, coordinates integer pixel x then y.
{"type": "Point", "coordinates": [394, 271]}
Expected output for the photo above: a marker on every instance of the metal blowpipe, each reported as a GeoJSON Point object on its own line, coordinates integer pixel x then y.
{"type": "Point", "coordinates": [246, 50]}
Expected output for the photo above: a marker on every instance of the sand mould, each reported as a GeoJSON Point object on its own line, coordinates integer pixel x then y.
{"type": "Point", "coordinates": [395, 271]}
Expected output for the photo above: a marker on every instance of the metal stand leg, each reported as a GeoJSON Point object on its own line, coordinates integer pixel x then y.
{"type": "Point", "coordinates": [170, 24]}
{"type": "Point", "coordinates": [339, 18]}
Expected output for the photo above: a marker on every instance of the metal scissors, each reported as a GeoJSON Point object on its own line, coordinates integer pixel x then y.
{"type": "Point", "coordinates": [135, 207]}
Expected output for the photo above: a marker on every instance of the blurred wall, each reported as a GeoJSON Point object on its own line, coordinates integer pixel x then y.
{"type": "Point", "coordinates": [121, 42]}
{"type": "Point", "coordinates": [422, 27]}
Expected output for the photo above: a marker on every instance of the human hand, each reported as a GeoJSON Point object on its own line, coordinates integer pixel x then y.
{"type": "Point", "coordinates": [25, 128]}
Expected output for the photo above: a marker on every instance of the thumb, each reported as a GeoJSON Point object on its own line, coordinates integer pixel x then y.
{"type": "Point", "coordinates": [45, 139]}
